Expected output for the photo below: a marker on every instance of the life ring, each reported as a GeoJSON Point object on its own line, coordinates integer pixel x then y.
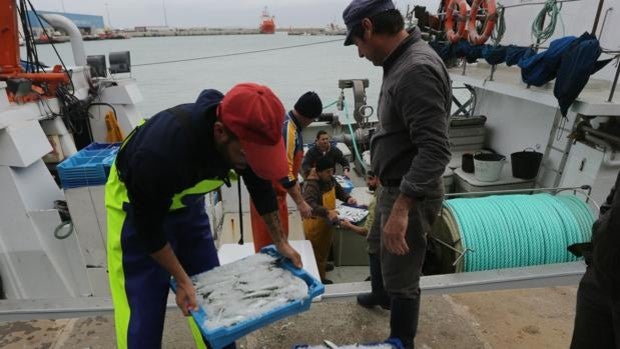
{"type": "Point", "coordinates": [474, 37]}
{"type": "Point", "coordinates": [462, 7]}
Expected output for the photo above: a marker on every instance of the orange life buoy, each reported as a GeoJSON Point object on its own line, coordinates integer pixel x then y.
{"type": "Point", "coordinates": [474, 37]}
{"type": "Point", "coordinates": [462, 7]}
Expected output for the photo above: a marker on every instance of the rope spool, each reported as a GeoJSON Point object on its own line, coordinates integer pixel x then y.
{"type": "Point", "coordinates": [488, 6]}
{"type": "Point", "coordinates": [509, 231]}
{"type": "Point", "coordinates": [462, 8]}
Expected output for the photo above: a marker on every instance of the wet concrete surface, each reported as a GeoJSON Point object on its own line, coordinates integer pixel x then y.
{"type": "Point", "coordinates": [530, 318]}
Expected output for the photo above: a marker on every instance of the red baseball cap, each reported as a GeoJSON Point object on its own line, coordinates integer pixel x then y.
{"type": "Point", "coordinates": [255, 115]}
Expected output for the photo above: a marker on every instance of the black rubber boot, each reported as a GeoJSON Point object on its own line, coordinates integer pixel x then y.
{"type": "Point", "coordinates": [404, 320]}
{"type": "Point", "coordinates": [378, 295]}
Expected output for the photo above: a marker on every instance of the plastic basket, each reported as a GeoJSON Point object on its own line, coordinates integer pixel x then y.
{"type": "Point", "coordinates": [222, 336]}
{"type": "Point", "coordinates": [345, 183]}
{"type": "Point", "coordinates": [395, 343]}
{"type": "Point", "coordinates": [88, 167]}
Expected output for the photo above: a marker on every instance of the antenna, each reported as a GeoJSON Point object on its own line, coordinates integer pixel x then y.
{"type": "Point", "coordinates": [108, 13]}
{"type": "Point", "coordinates": [163, 4]}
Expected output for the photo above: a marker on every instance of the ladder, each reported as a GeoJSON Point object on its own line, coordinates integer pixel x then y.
{"type": "Point", "coordinates": [559, 124]}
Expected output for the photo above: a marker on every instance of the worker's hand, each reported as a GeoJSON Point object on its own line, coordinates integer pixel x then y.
{"type": "Point", "coordinates": [346, 224]}
{"type": "Point", "coordinates": [305, 210]}
{"type": "Point", "coordinates": [352, 201]}
{"type": "Point", "coordinates": [332, 216]}
{"type": "Point", "coordinates": [394, 233]}
{"type": "Point", "coordinates": [186, 297]}
{"type": "Point", "coordinates": [289, 252]}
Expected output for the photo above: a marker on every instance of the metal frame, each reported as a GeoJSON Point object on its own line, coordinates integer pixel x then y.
{"type": "Point", "coordinates": [527, 277]}
{"type": "Point", "coordinates": [524, 191]}
{"type": "Point", "coordinates": [563, 274]}
{"type": "Point", "coordinates": [585, 190]}
{"type": "Point", "coordinates": [462, 107]}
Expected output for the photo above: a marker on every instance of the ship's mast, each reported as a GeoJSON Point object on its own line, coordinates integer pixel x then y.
{"type": "Point", "coordinates": [9, 38]}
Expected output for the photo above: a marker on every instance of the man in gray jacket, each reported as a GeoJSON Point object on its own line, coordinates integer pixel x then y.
{"type": "Point", "coordinates": [409, 151]}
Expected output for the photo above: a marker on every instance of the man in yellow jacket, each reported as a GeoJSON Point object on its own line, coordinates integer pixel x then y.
{"type": "Point", "coordinates": [321, 191]}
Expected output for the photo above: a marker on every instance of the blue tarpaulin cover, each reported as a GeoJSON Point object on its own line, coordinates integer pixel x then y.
{"type": "Point", "coordinates": [444, 50]}
{"type": "Point", "coordinates": [462, 48]}
{"type": "Point", "coordinates": [474, 53]}
{"type": "Point", "coordinates": [578, 62]}
{"type": "Point", "coordinates": [541, 68]}
{"type": "Point", "coordinates": [516, 53]}
{"type": "Point", "coordinates": [494, 54]}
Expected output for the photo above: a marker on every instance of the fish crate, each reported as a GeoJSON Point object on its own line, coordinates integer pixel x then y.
{"type": "Point", "coordinates": [391, 343]}
{"type": "Point", "coordinates": [88, 167]}
{"type": "Point", "coordinates": [219, 337]}
{"type": "Point", "coordinates": [345, 183]}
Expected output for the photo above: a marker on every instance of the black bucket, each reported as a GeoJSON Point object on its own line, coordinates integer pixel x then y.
{"type": "Point", "coordinates": [525, 164]}
{"type": "Point", "coordinates": [467, 163]}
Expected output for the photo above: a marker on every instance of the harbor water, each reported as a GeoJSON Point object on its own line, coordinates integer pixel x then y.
{"type": "Point", "coordinates": [289, 72]}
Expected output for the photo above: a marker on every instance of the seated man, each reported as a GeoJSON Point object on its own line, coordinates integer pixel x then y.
{"type": "Point", "coordinates": [322, 147]}
{"type": "Point", "coordinates": [320, 191]}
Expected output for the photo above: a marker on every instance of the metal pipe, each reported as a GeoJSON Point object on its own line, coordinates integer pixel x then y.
{"type": "Point", "coordinates": [585, 190]}
{"type": "Point", "coordinates": [77, 45]}
{"type": "Point", "coordinates": [562, 274]}
{"type": "Point", "coordinates": [597, 17]}
{"type": "Point", "coordinates": [600, 33]}
{"type": "Point", "coordinates": [537, 3]}
{"type": "Point", "coordinates": [615, 83]}
{"type": "Point", "coordinates": [503, 279]}
{"type": "Point", "coordinates": [608, 150]}
{"type": "Point", "coordinates": [603, 135]}
{"type": "Point", "coordinates": [515, 191]}
{"type": "Point", "coordinates": [588, 196]}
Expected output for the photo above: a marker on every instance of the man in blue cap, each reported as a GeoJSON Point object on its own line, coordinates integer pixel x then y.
{"type": "Point", "coordinates": [409, 153]}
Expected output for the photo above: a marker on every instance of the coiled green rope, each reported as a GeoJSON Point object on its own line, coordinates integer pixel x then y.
{"type": "Point", "coordinates": [500, 26]}
{"type": "Point", "coordinates": [508, 231]}
{"type": "Point", "coordinates": [541, 33]}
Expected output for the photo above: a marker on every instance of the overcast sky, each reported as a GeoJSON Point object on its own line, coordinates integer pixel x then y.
{"type": "Point", "coordinates": [210, 13]}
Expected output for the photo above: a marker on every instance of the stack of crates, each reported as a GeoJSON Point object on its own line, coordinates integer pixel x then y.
{"type": "Point", "coordinates": [83, 176]}
{"type": "Point", "coordinates": [88, 167]}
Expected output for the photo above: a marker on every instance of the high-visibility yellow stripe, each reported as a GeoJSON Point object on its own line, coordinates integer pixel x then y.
{"type": "Point", "coordinates": [200, 344]}
{"type": "Point", "coordinates": [203, 187]}
{"type": "Point", "coordinates": [115, 195]}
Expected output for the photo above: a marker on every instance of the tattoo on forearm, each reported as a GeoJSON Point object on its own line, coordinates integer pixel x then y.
{"type": "Point", "coordinates": [272, 220]}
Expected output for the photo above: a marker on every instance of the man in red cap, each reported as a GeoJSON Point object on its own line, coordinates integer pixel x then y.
{"type": "Point", "coordinates": [157, 223]}
{"type": "Point", "coordinates": [307, 108]}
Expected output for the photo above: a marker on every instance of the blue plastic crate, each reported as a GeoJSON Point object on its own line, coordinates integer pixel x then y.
{"type": "Point", "coordinates": [345, 183]}
{"type": "Point", "coordinates": [90, 166]}
{"type": "Point", "coordinates": [395, 343]}
{"type": "Point", "coordinates": [220, 337]}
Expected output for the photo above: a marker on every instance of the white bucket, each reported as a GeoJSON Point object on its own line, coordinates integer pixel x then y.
{"type": "Point", "coordinates": [488, 167]}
